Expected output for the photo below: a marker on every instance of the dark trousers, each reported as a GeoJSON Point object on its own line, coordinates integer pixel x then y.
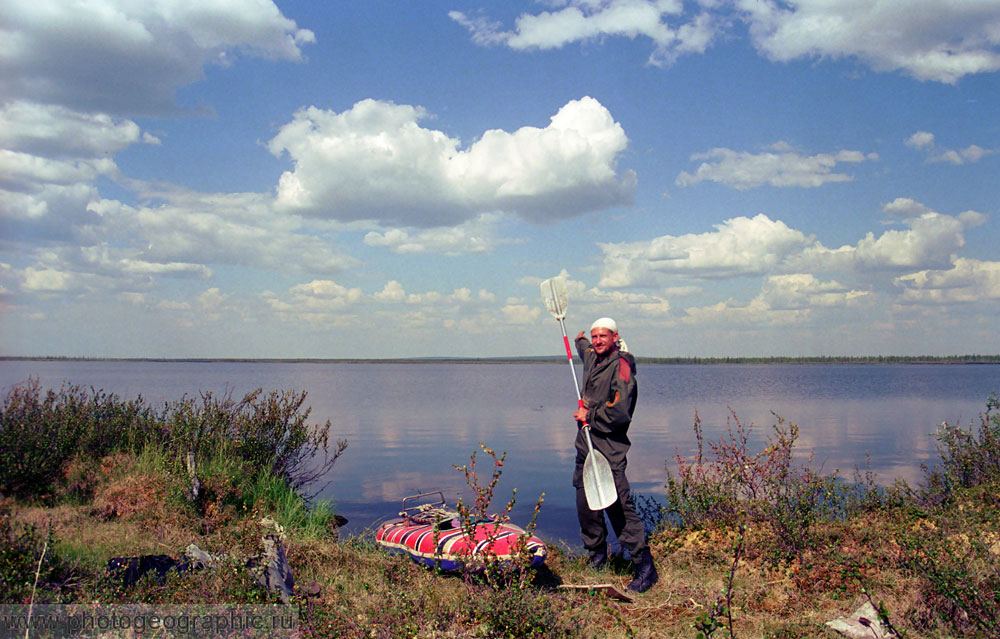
{"type": "Point", "coordinates": [624, 520]}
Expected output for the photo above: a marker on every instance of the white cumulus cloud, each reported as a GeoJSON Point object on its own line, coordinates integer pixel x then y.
{"type": "Point", "coordinates": [664, 22]}
{"type": "Point", "coordinates": [931, 239]}
{"type": "Point", "coordinates": [393, 291]}
{"type": "Point", "coordinates": [46, 280]}
{"type": "Point", "coordinates": [905, 207]}
{"type": "Point", "coordinates": [319, 303]}
{"type": "Point", "coordinates": [54, 131]}
{"type": "Point", "coordinates": [804, 290]}
{"type": "Point", "coordinates": [50, 159]}
{"type": "Point", "coordinates": [780, 167]}
{"type": "Point", "coordinates": [968, 155]}
{"type": "Point", "coordinates": [920, 140]}
{"type": "Point", "coordinates": [207, 228]}
{"type": "Point", "coordinates": [759, 246]}
{"type": "Point", "coordinates": [474, 236]}
{"type": "Point", "coordinates": [924, 141]}
{"type": "Point", "coordinates": [375, 162]}
{"type": "Point", "coordinates": [520, 314]}
{"type": "Point", "coordinates": [738, 246]}
{"type": "Point", "coordinates": [967, 281]}
{"type": "Point", "coordinates": [125, 57]}
{"type": "Point", "coordinates": [732, 314]}
{"type": "Point", "coordinates": [935, 40]}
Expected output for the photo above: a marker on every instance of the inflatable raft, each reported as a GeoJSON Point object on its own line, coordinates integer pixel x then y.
{"type": "Point", "coordinates": [432, 535]}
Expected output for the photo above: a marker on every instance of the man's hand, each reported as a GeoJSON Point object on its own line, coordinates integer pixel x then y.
{"type": "Point", "coordinates": [580, 415]}
{"type": "Point", "coordinates": [581, 334]}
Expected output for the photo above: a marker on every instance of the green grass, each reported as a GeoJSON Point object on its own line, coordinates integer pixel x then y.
{"type": "Point", "coordinates": [279, 501]}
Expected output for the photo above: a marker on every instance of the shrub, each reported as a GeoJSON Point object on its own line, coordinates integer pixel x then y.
{"type": "Point", "coordinates": [499, 574]}
{"type": "Point", "coordinates": [738, 486]}
{"type": "Point", "coordinates": [950, 550]}
{"type": "Point", "coordinates": [521, 614]}
{"type": "Point", "coordinates": [948, 533]}
{"type": "Point", "coordinates": [268, 431]}
{"type": "Point", "coordinates": [40, 433]}
{"type": "Point", "coordinates": [23, 553]}
{"type": "Point", "coordinates": [654, 516]}
{"type": "Point", "coordinates": [968, 458]}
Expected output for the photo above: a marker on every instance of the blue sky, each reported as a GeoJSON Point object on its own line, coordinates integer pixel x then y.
{"type": "Point", "coordinates": [205, 178]}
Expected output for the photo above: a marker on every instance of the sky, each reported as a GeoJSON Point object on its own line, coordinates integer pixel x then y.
{"type": "Point", "coordinates": [302, 179]}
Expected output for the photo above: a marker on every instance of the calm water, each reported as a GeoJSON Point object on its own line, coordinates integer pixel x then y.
{"type": "Point", "coordinates": [408, 424]}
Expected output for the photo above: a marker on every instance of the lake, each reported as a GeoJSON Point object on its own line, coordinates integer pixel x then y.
{"type": "Point", "coordinates": [408, 424]}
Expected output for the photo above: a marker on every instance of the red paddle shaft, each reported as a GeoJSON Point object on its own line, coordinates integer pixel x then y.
{"type": "Point", "coordinates": [569, 356]}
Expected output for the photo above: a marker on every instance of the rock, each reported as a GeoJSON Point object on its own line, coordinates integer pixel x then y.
{"type": "Point", "coordinates": [198, 558]}
{"type": "Point", "coordinates": [129, 570]}
{"type": "Point", "coordinates": [271, 569]}
{"type": "Point", "coordinates": [864, 622]}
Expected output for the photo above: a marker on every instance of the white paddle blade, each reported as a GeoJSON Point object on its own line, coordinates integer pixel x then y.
{"type": "Point", "coordinates": [555, 296]}
{"type": "Point", "coordinates": [598, 482]}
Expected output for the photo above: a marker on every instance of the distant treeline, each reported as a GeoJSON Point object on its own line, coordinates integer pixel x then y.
{"type": "Point", "coordinates": [545, 359]}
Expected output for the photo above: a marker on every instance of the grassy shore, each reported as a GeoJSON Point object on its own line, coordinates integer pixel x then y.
{"type": "Point", "coordinates": [751, 544]}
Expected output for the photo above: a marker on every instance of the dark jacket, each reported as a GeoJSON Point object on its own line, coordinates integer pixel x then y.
{"type": "Point", "coordinates": [609, 394]}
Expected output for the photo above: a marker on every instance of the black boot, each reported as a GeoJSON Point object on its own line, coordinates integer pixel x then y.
{"type": "Point", "coordinates": [645, 573]}
{"type": "Point", "coordinates": [598, 558]}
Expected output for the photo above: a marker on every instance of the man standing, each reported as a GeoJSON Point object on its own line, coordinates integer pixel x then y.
{"type": "Point", "coordinates": [609, 396]}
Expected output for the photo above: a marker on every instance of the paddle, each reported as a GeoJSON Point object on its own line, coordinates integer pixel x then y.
{"type": "Point", "coordinates": [598, 482]}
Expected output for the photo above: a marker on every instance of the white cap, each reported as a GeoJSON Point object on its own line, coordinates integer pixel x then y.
{"type": "Point", "coordinates": [605, 322]}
